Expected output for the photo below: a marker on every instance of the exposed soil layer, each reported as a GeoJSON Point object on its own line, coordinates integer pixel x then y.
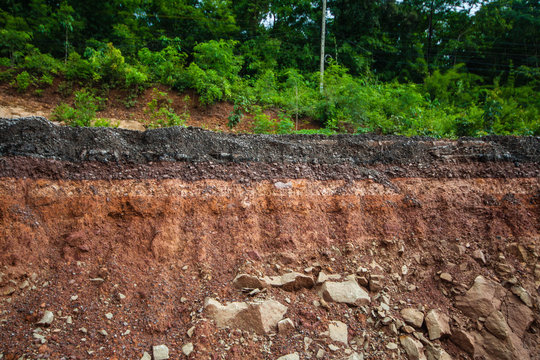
{"type": "Point", "coordinates": [114, 230]}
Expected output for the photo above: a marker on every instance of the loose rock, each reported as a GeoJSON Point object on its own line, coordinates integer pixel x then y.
{"type": "Point", "coordinates": [47, 318]}
{"type": "Point", "coordinates": [293, 356]}
{"type": "Point", "coordinates": [338, 332]}
{"type": "Point", "coordinates": [437, 324]}
{"type": "Point", "coordinates": [161, 352]}
{"type": "Point", "coordinates": [260, 317]}
{"type": "Point", "coordinates": [348, 292]}
{"type": "Point", "coordinates": [413, 317]}
{"type": "Point", "coordinates": [413, 347]}
{"type": "Point", "coordinates": [187, 349]}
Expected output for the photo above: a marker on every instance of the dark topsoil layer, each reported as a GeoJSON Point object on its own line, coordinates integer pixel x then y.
{"type": "Point", "coordinates": [34, 147]}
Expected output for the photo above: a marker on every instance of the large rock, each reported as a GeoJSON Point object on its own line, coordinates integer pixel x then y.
{"type": "Point", "coordinates": [518, 316]}
{"type": "Point", "coordinates": [437, 324]}
{"type": "Point", "coordinates": [290, 281]}
{"type": "Point", "coordinates": [248, 281]}
{"type": "Point", "coordinates": [258, 317]}
{"type": "Point", "coordinates": [348, 292]}
{"type": "Point", "coordinates": [481, 299]}
{"type": "Point", "coordinates": [413, 347]}
{"type": "Point", "coordinates": [464, 341]}
{"type": "Point", "coordinates": [413, 317]}
{"type": "Point", "coordinates": [507, 349]}
{"type": "Point", "coordinates": [338, 332]}
{"type": "Point", "coordinates": [496, 324]}
{"type": "Point", "coordinates": [436, 353]}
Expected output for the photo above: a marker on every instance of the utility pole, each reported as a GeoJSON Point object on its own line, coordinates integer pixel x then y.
{"type": "Point", "coordinates": [323, 35]}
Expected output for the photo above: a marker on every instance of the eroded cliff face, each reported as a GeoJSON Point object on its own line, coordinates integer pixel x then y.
{"type": "Point", "coordinates": [143, 227]}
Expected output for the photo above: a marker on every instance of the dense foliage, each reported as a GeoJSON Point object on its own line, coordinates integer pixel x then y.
{"type": "Point", "coordinates": [439, 67]}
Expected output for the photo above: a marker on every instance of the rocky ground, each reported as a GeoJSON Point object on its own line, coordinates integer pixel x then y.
{"type": "Point", "coordinates": [182, 243]}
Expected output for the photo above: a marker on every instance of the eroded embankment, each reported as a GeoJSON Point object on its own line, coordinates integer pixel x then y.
{"type": "Point", "coordinates": [169, 217]}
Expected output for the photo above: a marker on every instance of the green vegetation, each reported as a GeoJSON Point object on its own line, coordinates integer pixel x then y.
{"type": "Point", "coordinates": [442, 68]}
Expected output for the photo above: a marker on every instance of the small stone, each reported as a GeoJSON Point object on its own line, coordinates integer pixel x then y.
{"type": "Point", "coordinates": [282, 186]}
{"type": "Point", "coordinates": [320, 354]}
{"type": "Point", "coordinates": [146, 356]}
{"type": "Point", "coordinates": [83, 330]}
{"type": "Point", "coordinates": [404, 270]}
{"type": "Point", "coordinates": [333, 347]}
{"type": "Point", "coordinates": [413, 317]}
{"type": "Point", "coordinates": [293, 356]}
{"type": "Point", "coordinates": [24, 284]}
{"type": "Point", "coordinates": [121, 296]}
{"type": "Point", "coordinates": [338, 332]}
{"type": "Point", "coordinates": [74, 297]}
{"type": "Point", "coordinates": [285, 326]}
{"type": "Point", "coordinates": [523, 295]}
{"type": "Point", "coordinates": [185, 267]}
{"type": "Point", "coordinates": [161, 352]}
{"type": "Point", "coordinates": [103, 332]}
{"type": "Point", "coordinates": [391, 346]}
{"type": "Point", "coordinates": [109, 316]}
{"type": "Point", "coordinates": [190, 331]}
{"type": "Point", "coordinates": [446, 277]}
{"type": "Point", "coordinates": [7, 290]}
{"type": "Point", "coordinates": [69, 320]}
{"type": "Point", "coordinates": [479, 255]}
{"type": "Point", "coordinates": [187, 349]}
{"type": "Point", "coordinates": [47, 318]}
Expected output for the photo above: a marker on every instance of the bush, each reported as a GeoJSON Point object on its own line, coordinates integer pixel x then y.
{"type": "Point", "coordinates": [83, 112]}
{"type": "Point", "coordinates": [22, 81]}
{"type": "Point", "coordinates": [263, 124]}
{"type": "Point", "coordinates": [161, 112]}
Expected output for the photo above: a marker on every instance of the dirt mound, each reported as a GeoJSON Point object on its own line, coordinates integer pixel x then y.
{"type": "Point", "coordinates": [115, 241]}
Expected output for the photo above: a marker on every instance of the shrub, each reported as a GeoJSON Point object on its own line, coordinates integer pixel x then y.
{"type": "Point", "coordinates": [22, 81]}
{"type": "Point", "coordinates": [161, 112]}
{"type": "Point", "coordinates": [83, 112]}
{"type": "Point", "coordinates": [263, 124]}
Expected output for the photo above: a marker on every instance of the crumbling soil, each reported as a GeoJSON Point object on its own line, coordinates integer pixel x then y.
{"type": "Point", "coordinates": [166, 218]}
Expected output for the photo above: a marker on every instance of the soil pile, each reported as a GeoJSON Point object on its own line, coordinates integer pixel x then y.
{"type": "Point", "coordinates": [191, 244]}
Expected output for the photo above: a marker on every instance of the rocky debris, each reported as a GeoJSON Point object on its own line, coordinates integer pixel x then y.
{"type": "Point", "coordinates": [248, 281]}
{"type": "Point", "coordinates": [323, 277]}
{"type": "Point", "coordinates": [160, 352]}
{"type": "Point", "coordinates": [293, 356]}
{"type": "Point", "coordinates": [446, 277]}
{"type": "Point", "coordinates": [479, 256]}
{"type": "Point", "coordinates": [7, 290]}
{"type": "Point", "coordinates": [481, 299]}
{"type": "Point", "coordinates": [437, 324]}
{"type": "Point", "coordinates": [282, 186]}
{"type": "Point", "coordinates": [259, 317]}
{"type": "Point", "coordinates": [290, 281]}
{"type": "Point", "coordinates": [524, 296]}
{"type": "Point", "coordinates": [338, 332]}
{"type": "Point", "coordinates": [285, 326]}
{"type": "Point", "coordinates": [146, 356]}
{"type": "Point", "coordinates": [413, 347]}
{"type": "Point", "coordinates": [413, 317]}
{"type": "Point", "coordinates": [348, 292]}
{"type": "Point", "coordinates": [46, 319]}
{"type": "Point", "coordinates": [354, 356]}
{"type": "Point", "coordinates": [376, 282]}
{"type": "Point", "coordinates": [464, 340]}
{"type": "Point", "coordinates": [187, 349]}
{"type": "Point", "coordinates": [518, 315]}
{"type": "Point", "coordinates": [103, 332]}
{"type": "Point", "coordinates": [496, 324]}
{"type": "Point", "coordinates": [436, 353]}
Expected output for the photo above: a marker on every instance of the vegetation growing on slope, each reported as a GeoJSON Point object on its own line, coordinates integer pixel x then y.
{"type": "Point", "coordinates": [441, 68]}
